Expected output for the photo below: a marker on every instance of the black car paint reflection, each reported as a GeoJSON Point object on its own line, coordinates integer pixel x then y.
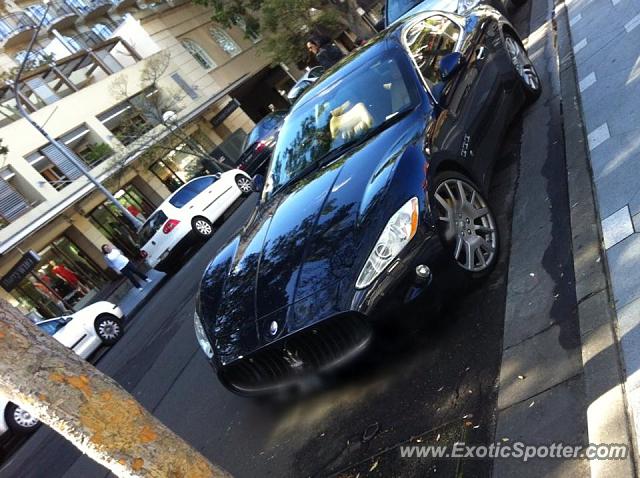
{"type": "Point", "coordinates": [297, 260]}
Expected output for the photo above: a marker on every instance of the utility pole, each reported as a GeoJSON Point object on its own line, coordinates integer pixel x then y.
{"type": "Point", "coordinates": [135, 222]}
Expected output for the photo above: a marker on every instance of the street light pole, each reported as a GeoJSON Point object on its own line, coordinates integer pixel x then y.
{"type": "Point", "coordinates": [135, 222]}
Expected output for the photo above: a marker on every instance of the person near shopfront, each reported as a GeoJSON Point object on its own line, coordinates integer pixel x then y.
{"type": "Point", "coordinates": [64, 273]}
{"type": "Point", "coordinates": [120, 263]}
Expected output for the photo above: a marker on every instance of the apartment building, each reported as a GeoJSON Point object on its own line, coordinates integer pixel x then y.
{"type": "Point", "coordinates": [52, 220]}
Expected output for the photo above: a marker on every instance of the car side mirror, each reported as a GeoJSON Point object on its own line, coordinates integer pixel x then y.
{"type": "Point", "coordinates": [450, 65]}
{"type": "Point", "coordinates": [257, 183]}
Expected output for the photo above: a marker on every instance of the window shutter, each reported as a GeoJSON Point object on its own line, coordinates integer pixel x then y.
{"type": "Point", "coordinates": [67, 168]}
{"type": "Point", "coordinates": [12, 204]}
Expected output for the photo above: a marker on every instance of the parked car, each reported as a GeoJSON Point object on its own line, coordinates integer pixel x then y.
{"type": "Point", "coordinates": [305, 81]}
{"type": "Point", "coordinates": [396, 9]}
{"type": "Point", "coordinates": [188, 215]}
{"type": "Point", "coordinates": [375, 200]}
{"type": "Point", "coordinates": [83, 332]}
{"type": "Point", "coordinates": [258, 145]}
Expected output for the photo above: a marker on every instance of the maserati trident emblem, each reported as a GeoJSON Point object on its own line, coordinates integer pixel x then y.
{"type": "Point", "coordinates": [273, 328]}
{"type": "Point", "coordinates": [292, 359]}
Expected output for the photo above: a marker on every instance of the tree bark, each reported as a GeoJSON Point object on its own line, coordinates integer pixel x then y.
{"type": "Point", "coordinates": [89, 408]}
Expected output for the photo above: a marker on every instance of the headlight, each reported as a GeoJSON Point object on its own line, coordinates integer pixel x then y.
{"type": "Point", "coordinates": [396, 235]}
{"type": "Point", "coordinates": [464, 5]}
{"type": "Point", "coordinates": [205, 345]}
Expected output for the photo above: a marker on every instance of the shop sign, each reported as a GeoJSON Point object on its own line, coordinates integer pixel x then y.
{"type": "Point", "coordinates": [25, 265]}
{"type": "Point", "coordinates": [224, 113]}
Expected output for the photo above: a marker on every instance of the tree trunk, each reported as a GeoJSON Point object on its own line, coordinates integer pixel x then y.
{"type": "Point", "coordinates": [89, 408]}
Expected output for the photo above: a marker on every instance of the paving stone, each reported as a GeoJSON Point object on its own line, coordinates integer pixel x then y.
{"type": "Point", "coordinates": [624, 265]}
{"type": "Point", "coordinates": [629, 333]}
{"type": "Point", "coordinates": [617, 227]}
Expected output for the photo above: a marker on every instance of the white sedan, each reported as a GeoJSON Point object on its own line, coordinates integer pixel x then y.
{"type": "Point", "coordinates": [190, 213]}
{"type": "Point", "coordinates": [83, 332]}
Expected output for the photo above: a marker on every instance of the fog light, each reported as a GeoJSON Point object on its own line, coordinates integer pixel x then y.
{"type": "Point", "coordinates": [423, 273]}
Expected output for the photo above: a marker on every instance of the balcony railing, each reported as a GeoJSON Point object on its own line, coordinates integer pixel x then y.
{"type": "Point", "coordinates": [15, 27]}
{"type": "Point", "coordinates": [87, 40]}
{"type": "Point", "coordinates": [60, 15]}
{"type": "Point", "coordinates": [124, 3]}
{"type": "Point", "coordinates": [90, 8]}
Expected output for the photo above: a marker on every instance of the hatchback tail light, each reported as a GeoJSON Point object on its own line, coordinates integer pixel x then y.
{"type": "Point", "coordinates": [144, 254]}
{"type": "Point", "coordinates": [241, 167]}
{"type": "Point", "coordinates": [261, 145]}
{"type": "Point", "coordinates": [170, 225]}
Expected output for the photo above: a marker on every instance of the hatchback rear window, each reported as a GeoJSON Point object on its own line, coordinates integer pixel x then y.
{"type": "Point", "coordinates": [150, 227]}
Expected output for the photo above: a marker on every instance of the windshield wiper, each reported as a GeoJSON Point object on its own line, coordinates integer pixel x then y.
{"type": "Point", "coordinates": [343, 148]}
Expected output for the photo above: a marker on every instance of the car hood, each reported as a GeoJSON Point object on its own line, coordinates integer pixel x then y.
{"type": "Point", "coordinates": [305, 246]}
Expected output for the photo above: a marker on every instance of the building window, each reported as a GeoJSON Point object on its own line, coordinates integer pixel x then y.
{"type": "Point", "coordinates": [102, 30]}
{"type": "Point", "coordinates": [64, 281]}
{"type": "Point", "coordinates": [224, 41]}
{"type": "Point", "coordinates": [133, 118]}
{"type": "Point", "coordinates": [12, 203]}
{"type": "Point", "coordinates": [254, 36]}
{"type": "Point", "coordinates": [184, 85]}
{"type": "Point", "coordinates": [198, 53]}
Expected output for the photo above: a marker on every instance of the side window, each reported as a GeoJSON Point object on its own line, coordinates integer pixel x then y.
{"type": "Point", "coordinates": [200, 184]}
{"type": "Point", "coordinates": [429, 41]}
{"type": "Point", "coordinates": [52, 326]}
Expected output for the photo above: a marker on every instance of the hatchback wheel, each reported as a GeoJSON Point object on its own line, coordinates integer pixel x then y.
{"type": "Point", "coordinates": [244, 184]}
{"type": "Point", "coordinates": [202, 227]}
{"type": "Point", "coordinates": [523, 66]}
{"type": "Point", "coordinates": [109, 328]}
{"type": "Point", "coordinates": [466, 224]}
{"type": "Point", "coordinates": [19, 420]}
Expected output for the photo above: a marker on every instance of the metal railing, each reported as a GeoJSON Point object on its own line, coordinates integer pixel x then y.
{"type": "Point", "coordinates": [84, 7]}
{"type": "Point", "coordinates": [13, 23]}
{"type": "Point", "coordinates": [88, 39]}
{"type": "Point", "coordinates": [58, 9]}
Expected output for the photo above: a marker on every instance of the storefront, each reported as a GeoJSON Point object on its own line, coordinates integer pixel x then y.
{"type": "Point", "coordinates": [64, 280]}
{"type": "Point", "coordinates": [110, 221]}
{"type": "Point", "coordinates": [179, 167]}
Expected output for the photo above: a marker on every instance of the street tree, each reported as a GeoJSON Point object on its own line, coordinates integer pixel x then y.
{"type": "Point", "coordinates": [287, 24]}
{"type": "Point", "coordinates": [87, 407]}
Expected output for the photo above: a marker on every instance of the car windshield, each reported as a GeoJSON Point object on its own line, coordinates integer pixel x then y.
{"type": "Point", "coordinates": [341, 111]}
{"type": "Point", "coordinates": [52, 326]}
{"type": "Point", "coordinates": [150, 227]}
{"type": "Point", "coordinates": [264, 126]}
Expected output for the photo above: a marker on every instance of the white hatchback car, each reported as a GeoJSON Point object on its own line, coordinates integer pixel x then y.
{"type": "Point", "coordinates": [189, 214]}
{"type": "Point", "coordinates": [83, 332]}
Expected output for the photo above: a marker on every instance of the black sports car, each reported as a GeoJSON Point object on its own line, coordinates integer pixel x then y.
{"type": "Point", "coordinates": [259, 144]}
{"type": "Point", "coordinates": [374, 199]}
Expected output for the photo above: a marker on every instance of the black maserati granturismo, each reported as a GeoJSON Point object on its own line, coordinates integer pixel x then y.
{"type": "Point", "coordinates": [374, 199]}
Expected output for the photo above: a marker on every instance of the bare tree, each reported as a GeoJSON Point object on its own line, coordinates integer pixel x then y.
{"type": "Point", "coordinates": [88, 408]}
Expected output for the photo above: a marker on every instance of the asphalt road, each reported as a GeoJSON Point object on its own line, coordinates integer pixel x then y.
{"type": "Point", "coordinates": [430, 380]}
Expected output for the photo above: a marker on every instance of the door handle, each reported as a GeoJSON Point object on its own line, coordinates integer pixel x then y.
{"type": "Point", "coordinates": [481, 53]}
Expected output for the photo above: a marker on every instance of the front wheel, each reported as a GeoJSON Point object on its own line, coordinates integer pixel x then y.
{"type": "Point", "coordinates": [109, 328]}
{"type": "Point", "coordinates": [523, 66]}
{"type": "Point", "coordinates": [19, 420]}
{"type": "Point", "coordinates": [202, 227]}
{"type": "Point", "coordinates": [466, 224]}
{"type": "Point", "coordinates": [244, 184]}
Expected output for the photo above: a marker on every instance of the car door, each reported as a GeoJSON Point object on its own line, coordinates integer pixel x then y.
{"type": "Point", "coordinates": [204, 192]}
{"type": "Point", "coordinates": [469, 111]}
{"type": "Point", "coordinates": [65, 330]}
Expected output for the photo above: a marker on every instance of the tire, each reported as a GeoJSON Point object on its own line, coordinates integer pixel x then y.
{"type": "Point", "coordinates": [524, 69]}
{"type": "Point", "coordinates": [518, 3]}
{"type": "Point", "coordinates": [202, 227]}
{"type": "Point", "coordinates": [244, 184]}
{"type": "Point", "coordinates": [20, 421]}
{"type": "Point", "coordinates": [467, 227]}
{"type": "Point", "coordinates": [109, 328]}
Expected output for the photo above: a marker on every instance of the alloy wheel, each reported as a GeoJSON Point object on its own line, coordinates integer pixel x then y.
{"type": "Point", "coordinates": [469, 222]}
{"type": "Point", "coordinates": [109, 329]}
{"type": "Point", "coordinates": [24, 418]}
{"type": "Point", "coordinates": [203, 227]}
{"type": "Point", "coordinates": [522, 63]}
{"type": "Point", "coordinates": [244, 184]}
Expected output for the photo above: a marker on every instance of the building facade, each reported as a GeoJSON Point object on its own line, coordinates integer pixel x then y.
{"type": "Point", "coordinates": [95, 66]}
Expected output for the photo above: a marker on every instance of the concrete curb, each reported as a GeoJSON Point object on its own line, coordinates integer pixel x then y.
{"type": "Point", "coordinates": [607, 411]}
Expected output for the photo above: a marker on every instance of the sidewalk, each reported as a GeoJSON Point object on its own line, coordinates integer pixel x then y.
{"type": "Point", "coordinates": [130, 299]}
{"type": "Point", "coordinates": [606, 46]}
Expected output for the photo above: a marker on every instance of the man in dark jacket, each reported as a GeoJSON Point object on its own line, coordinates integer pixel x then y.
{"type": "Point", "coordinates": [327, 54]}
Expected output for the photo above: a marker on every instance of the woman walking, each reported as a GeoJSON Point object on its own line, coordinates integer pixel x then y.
{"type": "Point", "coordinates": [122, 265]}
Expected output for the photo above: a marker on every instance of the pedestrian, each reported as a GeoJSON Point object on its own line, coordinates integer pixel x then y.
{"type": "Point", "coordinates": [122, 265]}
{"type": "Point", "coordinates": [327, 54]}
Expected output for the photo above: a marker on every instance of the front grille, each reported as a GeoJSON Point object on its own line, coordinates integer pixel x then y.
{"type": "Point", "coordinates": [315, 349]}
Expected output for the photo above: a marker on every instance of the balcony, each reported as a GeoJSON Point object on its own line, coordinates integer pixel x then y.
{"type": "Point", "coordinates": [60, 15]}
{"type": "Point", "coordinates": [86, 41]}
{"type": "Point", "coordinates": [90, 8]}
{"type": "Point", "coordinates": [16, 28]}
{"type": "Point", "coordinates": [123, 4]}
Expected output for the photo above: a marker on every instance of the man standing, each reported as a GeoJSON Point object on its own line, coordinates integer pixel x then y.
{"type": "Point", "coordinates": [121, 264]}
{"type": "Point", "coordinates": [327, 54]}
